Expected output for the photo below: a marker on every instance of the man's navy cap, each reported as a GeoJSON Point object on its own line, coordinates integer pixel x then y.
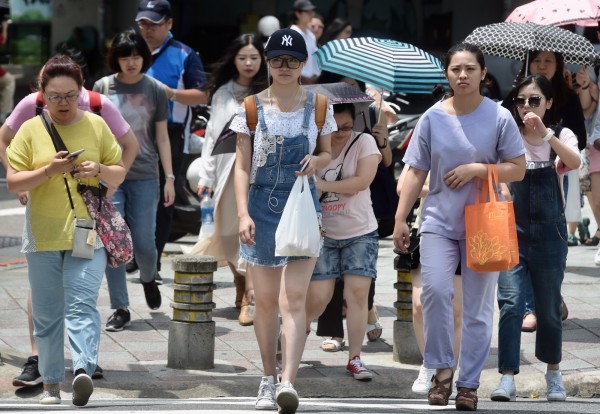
{"type": "Point", "coordinates": [153, 10]}
{"type": "Point", "coordinates": [286, 42]}
{"type": "Point", "coordinates": [303, 5]}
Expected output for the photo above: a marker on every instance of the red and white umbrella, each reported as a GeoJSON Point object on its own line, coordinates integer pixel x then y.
{"type": "Point", "coordinates": [558, 12]}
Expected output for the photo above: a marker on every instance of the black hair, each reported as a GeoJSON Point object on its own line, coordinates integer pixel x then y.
{"type": "Point", "coordinates": [224, 69]}
{"type": "Point", "coordinates": [128, 43]}
{"type": "Point", "coordinates": [545, 87]}
{"type": "Point", "coordinates": [345, 107]}
{"type": "Point", "coordinates": [76, 56]}
{"type": "Point", "coordinates": [459, 47]}
{"type": "Point", "coordinates": [333, 29]}
{"type": "Point", "coordinates": [560, 87]}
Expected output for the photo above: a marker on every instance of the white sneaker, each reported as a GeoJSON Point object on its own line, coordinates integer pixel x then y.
{"type": "Point", "coordinates": [265, 400]}
{"type": "Point", "coordinates": [287, 398]}
{"type": "Point", "coordinates": [83, 387]}
{"type": "Point", "coordinates": [423, 382]}
{"type": "Point", "coordinates": [50, 397]}
{"type": "Point", "coordinates": [506, 390]}
{"type": "Point", "coordinates": [556, 389]}
{"type": "Point", "coordinates": [597, 257]}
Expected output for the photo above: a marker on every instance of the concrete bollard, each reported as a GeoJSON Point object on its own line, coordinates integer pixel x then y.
{"type": "Point", "coordinates": [192, 330]}
{"type": "Point", "coordinates": [405, 347]}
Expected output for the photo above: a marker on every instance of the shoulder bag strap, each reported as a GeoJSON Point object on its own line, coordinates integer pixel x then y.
{"type": "Point", "coordinates": [59, 145]}
{"type": "Point", "coordinates": [96, 102]}
{"type": "Point", "coordinates": [251, 113]}
{"type": "Point", "coordinates": [320, 110]}
{"type": "Point", "coordinates": [340, 173]}
{"type": "Point", "coordinates": [39, 103]}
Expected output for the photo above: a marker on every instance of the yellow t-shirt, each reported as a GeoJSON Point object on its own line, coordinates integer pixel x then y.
{"type": "Point", "coordinates": [49, 217]}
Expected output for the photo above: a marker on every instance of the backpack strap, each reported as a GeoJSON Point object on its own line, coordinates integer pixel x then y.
{"type": "Point", "coordinates": [320, 110]}
{"type": "Point", "coordinates": [95, 102]}
{"type": "Point", "coordinates": [39, 103]}
{"type": "Point", "coordinates": [251, 113]}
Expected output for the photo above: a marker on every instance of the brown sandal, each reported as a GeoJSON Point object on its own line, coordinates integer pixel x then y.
{"type": "Point", "coordinates": [440, 391]}
{"type": "Point", "coordinates": [466, 399]}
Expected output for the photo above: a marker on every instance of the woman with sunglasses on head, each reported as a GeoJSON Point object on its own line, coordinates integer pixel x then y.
{"type": "Point", "coordinates": [352, 241]}
{"type": "Point", "coordinates": [242, 71]}
{"type": "Point", "coordinates": [542, 235]}
{"type": "Point", "coordinates": [64, 285]}
{"type": "Point", "coordinates": [453, 141]}
{"type": "Point", "coordinates": [567, 112]}
{"type": "Point", "coordinates": [267, 164]}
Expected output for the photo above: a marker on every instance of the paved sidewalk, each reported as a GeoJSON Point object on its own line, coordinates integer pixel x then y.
{"type": "Point", "coordinates": [134, 360]}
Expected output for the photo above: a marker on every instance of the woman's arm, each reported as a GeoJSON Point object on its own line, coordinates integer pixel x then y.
{"type": "Point", "coordinates": [243, 165]}
{"type": "Point", "coordinates": [380, 132]}
{"type": "Point", "coordinates": [164, 150]}
{"type": "Point", "coordinates": [366, 169]}
{"type": "Point", "coordinates": [20, 181]}
{"type": "Point", "coordinates": [413, 183]}
{"type": "Point", "coordinates": [400, 184]}
{"type": "Point", "coordinates": [508, 171]}
{"type": "Point", "coordinates": [322, 157]}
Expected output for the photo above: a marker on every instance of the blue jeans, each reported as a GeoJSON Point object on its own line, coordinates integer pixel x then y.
{"type": "Point", "coordinates": [137, 201]}
{"type": "Point", "coordinates": [542, 234]}
{"type": "Point", "coordinates": [354, 256]}
{"type": "Point", "coordinates": [64, 292]}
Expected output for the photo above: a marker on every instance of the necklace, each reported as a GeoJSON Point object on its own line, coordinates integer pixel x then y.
{"type": "Point", "coordinates": [293, 103]}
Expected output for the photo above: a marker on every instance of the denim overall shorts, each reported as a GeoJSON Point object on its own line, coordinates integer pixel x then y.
{"type": "Point", "coordinates": [271, 188]}
{"type": "Point", "coordinates": [540, 219]}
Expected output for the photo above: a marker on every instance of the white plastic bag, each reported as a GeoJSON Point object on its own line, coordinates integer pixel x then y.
{"type": "Point", "coordinates": [298, 231]}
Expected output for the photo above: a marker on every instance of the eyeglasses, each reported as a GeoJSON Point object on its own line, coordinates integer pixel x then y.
{"type": "Point", "coordinates": [143, 25]}
{"type": "Point", "coordinates": [532, 101]}
{"type": "Point", "coordinates": [344, 129]}
{"type": "Point", "coordinates": [291, 63]}
{"type": "Point", "coordinates": [58, 98]}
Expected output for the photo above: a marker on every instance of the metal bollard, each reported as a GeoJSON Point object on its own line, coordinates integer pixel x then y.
{"type": "Point", "coordinates": [192, 330]}
{"type": "Point", "coordinates": [405, 347]}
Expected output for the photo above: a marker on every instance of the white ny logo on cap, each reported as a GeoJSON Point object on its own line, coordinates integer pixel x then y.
{"type": "Point", "coordinates": [286, 40]}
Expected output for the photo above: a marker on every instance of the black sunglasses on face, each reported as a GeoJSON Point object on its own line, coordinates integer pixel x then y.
{"type": "Point", "coordinates": [532, 101]}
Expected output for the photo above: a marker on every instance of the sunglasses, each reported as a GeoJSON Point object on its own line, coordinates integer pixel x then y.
{"type": "Point", "coordinates": [532, 101]}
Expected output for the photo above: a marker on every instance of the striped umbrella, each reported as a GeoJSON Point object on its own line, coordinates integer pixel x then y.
{"type": "Point", "coordinates": [388, 64]}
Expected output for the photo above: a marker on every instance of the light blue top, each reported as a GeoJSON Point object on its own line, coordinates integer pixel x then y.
{"type": "Point", "coordinates": [442, 142]}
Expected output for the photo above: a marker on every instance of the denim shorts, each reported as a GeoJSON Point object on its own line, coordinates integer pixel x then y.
{"type": "Point", "coordinates": [353, 256]}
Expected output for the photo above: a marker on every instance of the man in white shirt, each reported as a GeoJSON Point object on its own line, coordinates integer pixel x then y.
{"type": "Point", "coordinates": [304, 11]}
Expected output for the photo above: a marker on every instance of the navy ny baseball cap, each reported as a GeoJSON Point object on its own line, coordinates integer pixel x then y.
{"type": "Point", "coordinates": [286, 42]}
{"type": "Point", "coordinates": [153, 10]}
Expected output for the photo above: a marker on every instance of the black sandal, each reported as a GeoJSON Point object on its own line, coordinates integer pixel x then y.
{"type": "Point", "coordinates": [440, 391]}
{"type": "Point", "coordinates": [466, 399]}
{"type": "Point", "coordinates": [594, 240]}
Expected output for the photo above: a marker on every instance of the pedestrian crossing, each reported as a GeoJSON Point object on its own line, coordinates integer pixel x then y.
{"type": "Point", "coordinates": [225, 405]}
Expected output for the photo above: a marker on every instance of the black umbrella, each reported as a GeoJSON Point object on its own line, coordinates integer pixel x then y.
{"type": "Point", "coordinates": [514, 40]}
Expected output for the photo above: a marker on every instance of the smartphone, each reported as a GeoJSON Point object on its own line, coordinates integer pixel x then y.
{"type": "Point", "coordinates": [304, 166]}
{"type": "Point", "coordinates": [74, 154]}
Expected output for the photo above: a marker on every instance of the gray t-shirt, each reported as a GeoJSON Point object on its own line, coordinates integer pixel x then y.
{"type": "Point", "coordinates": [442, 142]}
{"type": "Point", "coordinates": [142, 104]}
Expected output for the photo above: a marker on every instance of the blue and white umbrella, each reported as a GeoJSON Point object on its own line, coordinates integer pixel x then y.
{"type": "Point", "coordinates": [387, 64]}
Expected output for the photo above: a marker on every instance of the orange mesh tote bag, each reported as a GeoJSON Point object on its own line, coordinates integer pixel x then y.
{"type": "Point", "coordinates": [491, 230]}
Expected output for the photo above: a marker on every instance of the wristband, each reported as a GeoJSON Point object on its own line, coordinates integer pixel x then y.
{"type": "Point", "coordinates": [585, 87]}
{"type": "Point", "coordinates": [170, 177]}
{"type": "Point", "coordinates": [385, 142]}
{"type": "Point", "coordinates": [174, 96]}
{"type": "Point", "coordinates": [549, 135]}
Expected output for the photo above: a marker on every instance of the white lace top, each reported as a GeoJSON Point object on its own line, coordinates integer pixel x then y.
{"type": "Point", "coordinates": [279, 124]}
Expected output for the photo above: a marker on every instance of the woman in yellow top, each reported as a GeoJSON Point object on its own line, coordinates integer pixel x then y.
{"type": "Point", "coordinates": [35, 166]}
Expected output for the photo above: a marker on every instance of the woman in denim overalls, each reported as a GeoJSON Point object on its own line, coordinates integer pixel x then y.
{"type": "Point", "coordinates": [286, 140]}
{"type": "Point", "coordinates": [542, 234]}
